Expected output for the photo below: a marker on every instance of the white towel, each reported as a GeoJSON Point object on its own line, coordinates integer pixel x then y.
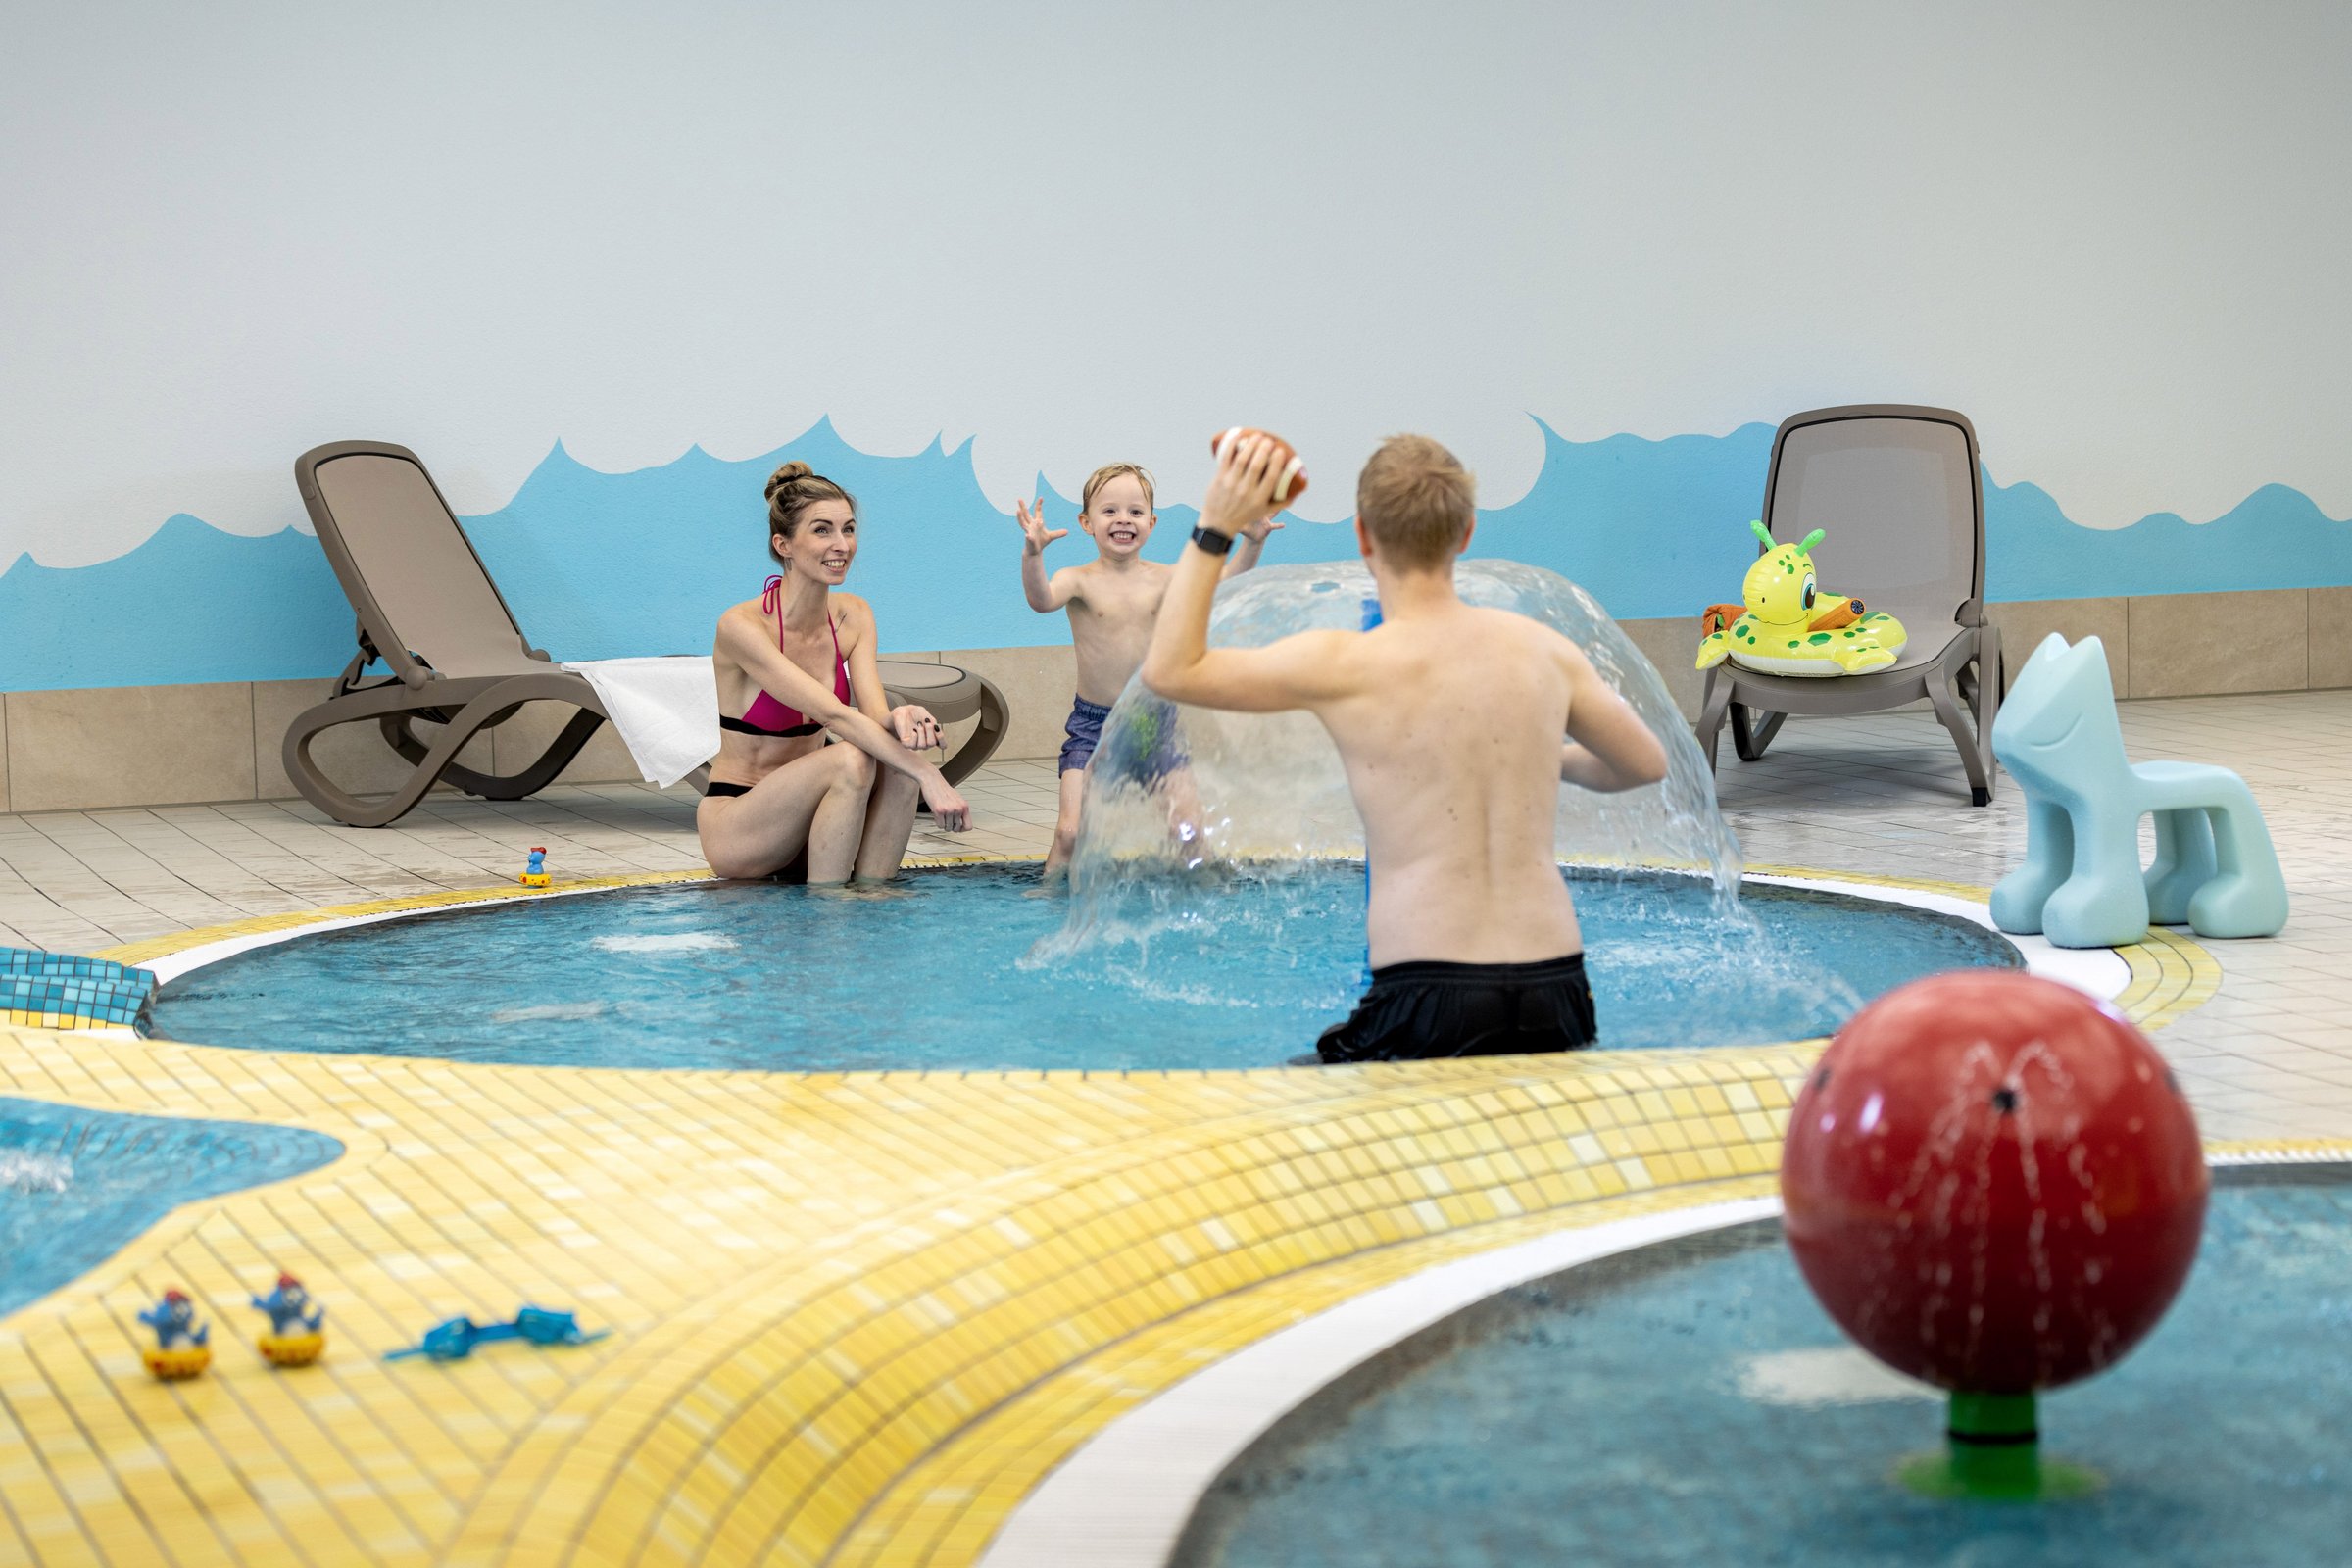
{"type": "Point", "coordinates": [665, 708]}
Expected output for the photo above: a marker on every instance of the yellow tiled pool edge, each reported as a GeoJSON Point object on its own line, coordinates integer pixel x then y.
{"type": "Point", "coordinates": [857, 1316]}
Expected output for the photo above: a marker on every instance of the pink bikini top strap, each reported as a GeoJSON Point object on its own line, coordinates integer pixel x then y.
{"type": "Point", "coordinates": [772, 599]}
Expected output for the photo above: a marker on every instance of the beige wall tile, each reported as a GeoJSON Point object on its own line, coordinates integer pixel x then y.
{"type": "Point", "coordinates": [353, 756]}
{"type": "Point", "coordinates": [2332, 637]}
{"type": "Point", "coordinates": [520, 742]}
{"type": "Point", "coordinates": [1038, 684]}
{"type": "Point", "coordinates": [2188, 645]}
{"type": "Point", "coordinates": [131, 746]}
{"type": "Point", "coordinates": [1672, 645]}
{"type": "Point", "coordinates": [2025, 622]}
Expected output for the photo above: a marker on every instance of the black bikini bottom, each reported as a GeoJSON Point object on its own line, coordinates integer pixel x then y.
{"type": "Point", "coordinates": [717, 790]}
{"type": "Point", "coordinates": [1428, 1008]}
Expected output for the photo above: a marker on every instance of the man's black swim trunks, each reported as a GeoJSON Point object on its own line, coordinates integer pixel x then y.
{"type": "Point", "coordinates": [1426, 1009]}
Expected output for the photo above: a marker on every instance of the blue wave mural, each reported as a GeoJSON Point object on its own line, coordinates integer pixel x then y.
{"type": "Point", "coordinates": [600, 565]}
{"type": "Point", "coordinates": [2277, 537]}
{"type": "Point", "coordinates": [191, 604]}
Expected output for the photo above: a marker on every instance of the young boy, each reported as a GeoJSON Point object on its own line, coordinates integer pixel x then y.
{"type": "Point", "coordinates": [1450, 721]}
{"type": "Point", "coordinates": [1111, 601]}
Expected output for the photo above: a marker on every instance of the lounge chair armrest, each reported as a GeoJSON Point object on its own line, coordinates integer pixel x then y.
{"type": "Point", "coordinates": [1970, 613]}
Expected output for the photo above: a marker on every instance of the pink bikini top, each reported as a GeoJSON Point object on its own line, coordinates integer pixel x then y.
{"type": "Point", "coordinates": [768, 717]}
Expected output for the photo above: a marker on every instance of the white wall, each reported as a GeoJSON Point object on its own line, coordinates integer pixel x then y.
{"type": "Point", "coordinates": [2113, 233]}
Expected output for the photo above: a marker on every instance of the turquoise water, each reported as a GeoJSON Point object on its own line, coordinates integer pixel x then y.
{"type": "Point", "coordinates": [1690, 1404]}
{"type": "Point", "coordinates": [936, 972]}
{"type": "Point", "coordinates": [79, 1186]}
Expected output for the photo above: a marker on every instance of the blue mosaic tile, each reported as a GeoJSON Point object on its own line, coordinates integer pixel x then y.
{"type": "Point", "coordinates": [69, 987]}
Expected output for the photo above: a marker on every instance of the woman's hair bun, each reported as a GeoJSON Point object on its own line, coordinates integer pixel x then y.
{"type": "Point", "coordinates": [783, 477]}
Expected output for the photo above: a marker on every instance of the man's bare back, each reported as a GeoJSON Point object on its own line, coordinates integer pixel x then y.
{"type": "Point", "coordinates": [1456, 727]}
{"type": "Point", "coordinates": [1447, 719]}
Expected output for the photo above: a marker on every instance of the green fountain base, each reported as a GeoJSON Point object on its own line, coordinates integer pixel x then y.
{"type": "Point", "coordinates": [1994, 1455]}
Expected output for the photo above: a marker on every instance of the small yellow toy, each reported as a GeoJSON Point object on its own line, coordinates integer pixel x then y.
{"type": "Point", "coordinates": [291, 1349]}
{"type": "Point", "coordinates": [1790, 627]}
{"type": "Point", "coordinates": [534, 872]}
{"type": "Point", "coordinates": [180, 1350]}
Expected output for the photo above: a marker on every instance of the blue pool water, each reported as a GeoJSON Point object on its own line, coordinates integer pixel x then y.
{"type": "Point", "coordinates": [1691, 1404]}
{"type": "Point", "coordinates": [79, 1186]}
{"type": "Point", "coordinates": [938, 971]}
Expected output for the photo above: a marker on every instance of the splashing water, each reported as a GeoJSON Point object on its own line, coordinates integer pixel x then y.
{"type": "Point", "coordinates": [1182, 802]}
{"type": "Point", "coordinates": [668, 942]}
{"type": "Point", "coordinates": [22, 1172]}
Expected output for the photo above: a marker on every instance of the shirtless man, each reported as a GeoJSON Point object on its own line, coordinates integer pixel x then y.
{"type": "Point", "coordinates": [1111, 601]}
{"type": "Point", "coordinates": [1456, 727]}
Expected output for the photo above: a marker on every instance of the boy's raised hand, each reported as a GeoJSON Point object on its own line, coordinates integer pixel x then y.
{"type": "Point", "coordinates": [1035, 535]}
{"type": "Point", "coordinates": [1255, 532]}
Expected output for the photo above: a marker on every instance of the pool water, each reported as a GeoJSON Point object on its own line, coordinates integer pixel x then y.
{"type": "Point", "coordinates": [939, 971]}
{"type": "Point", "coordinates": [79, 1186]}
{"type": "Point", "coordinates": [1690, 1404]}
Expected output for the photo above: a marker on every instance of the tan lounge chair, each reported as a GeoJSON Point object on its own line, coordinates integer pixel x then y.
{"type": "Point", "coordinates": [428, 610]}
{"type": "Point", "coordinates": [1899, 490]}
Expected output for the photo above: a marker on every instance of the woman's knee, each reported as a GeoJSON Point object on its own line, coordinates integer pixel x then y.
{"type": "Point", "coordinates": [856, 769]}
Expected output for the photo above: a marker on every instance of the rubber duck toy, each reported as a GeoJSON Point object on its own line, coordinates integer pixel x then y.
{"type": "Point", "coordinates": [1788, 626]}
{"type": "Point", "coordinates": [296, 1336]}
{"type": "Point", "coordinates": [534, 875]}
{"type": "Point", "coordinates": [180, 1349]}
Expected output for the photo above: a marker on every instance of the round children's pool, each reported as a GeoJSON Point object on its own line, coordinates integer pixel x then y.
{"type": "Point", "coordinates": [1690, 1404]}
{"type": "Point", "coordinates": [937, 971]}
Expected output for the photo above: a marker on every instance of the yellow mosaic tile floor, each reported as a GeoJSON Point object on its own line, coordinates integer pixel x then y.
{"type": "Point", "coordinates": [856, 1317]}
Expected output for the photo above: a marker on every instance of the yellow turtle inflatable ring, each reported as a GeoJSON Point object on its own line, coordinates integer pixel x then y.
{"type": "Point", "coordinates": [1790, 627]}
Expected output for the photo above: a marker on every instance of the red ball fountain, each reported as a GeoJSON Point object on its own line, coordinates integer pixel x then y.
{"type": "Point", "coordinates": [1994, 1185]}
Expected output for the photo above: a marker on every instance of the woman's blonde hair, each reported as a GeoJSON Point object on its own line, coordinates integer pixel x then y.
{"type": "Point", "coordinates": [1110, 471]}
{"type": "Point", "coordinates": [791, 490]}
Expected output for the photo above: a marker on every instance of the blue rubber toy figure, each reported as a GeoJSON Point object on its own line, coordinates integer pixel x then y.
{"type": "Point", "coordinates": [173, 1320]}
{"type": "Point", "coordinates": [181, 1348]}
{"type": "Point", "coordinates": [534, 871]}
{"type": "Point", "coordinates": [290, 1308]}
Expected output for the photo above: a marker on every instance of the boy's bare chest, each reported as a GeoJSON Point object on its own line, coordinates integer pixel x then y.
{"type": "Point", "coordinates": [1116, 604]}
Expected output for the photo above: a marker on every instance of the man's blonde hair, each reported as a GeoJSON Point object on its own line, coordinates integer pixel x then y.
{"type": "Point", "coordinates": [1416, 501]}
{"type": "Point", "coordinates": [1110, 471]}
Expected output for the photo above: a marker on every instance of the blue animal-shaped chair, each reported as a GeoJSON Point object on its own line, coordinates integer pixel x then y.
{"type": "Point", "coordinates": [2081, 885]}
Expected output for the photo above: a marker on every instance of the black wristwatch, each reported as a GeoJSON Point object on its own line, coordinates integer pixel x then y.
{"type": "Point", "coordinates": [1209, 539]}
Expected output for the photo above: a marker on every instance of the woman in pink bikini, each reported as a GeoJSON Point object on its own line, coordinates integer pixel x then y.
{"type": "Point", "coordinates": [795, 663]}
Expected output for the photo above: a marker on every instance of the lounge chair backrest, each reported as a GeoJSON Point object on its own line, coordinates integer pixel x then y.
{"type": "Point", "coordinates": [405, 564]}
{"type": "Point", "coordinates": [1896, 489]}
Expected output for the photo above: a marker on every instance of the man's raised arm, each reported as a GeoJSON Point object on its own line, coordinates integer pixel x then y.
{"type": "Point", "coordinates": [1295, 672]}
{"type": "Point", "coordinates": [1608, 748]}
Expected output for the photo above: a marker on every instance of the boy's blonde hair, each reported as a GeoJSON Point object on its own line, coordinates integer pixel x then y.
{"type": "Point", "coordinates": [1110, 471]}
{"type": "Point", "coordinates": [1416, 501]}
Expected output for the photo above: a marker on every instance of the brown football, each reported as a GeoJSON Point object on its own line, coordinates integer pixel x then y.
{"type": "Point", "coordinates": [1285, 453]}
